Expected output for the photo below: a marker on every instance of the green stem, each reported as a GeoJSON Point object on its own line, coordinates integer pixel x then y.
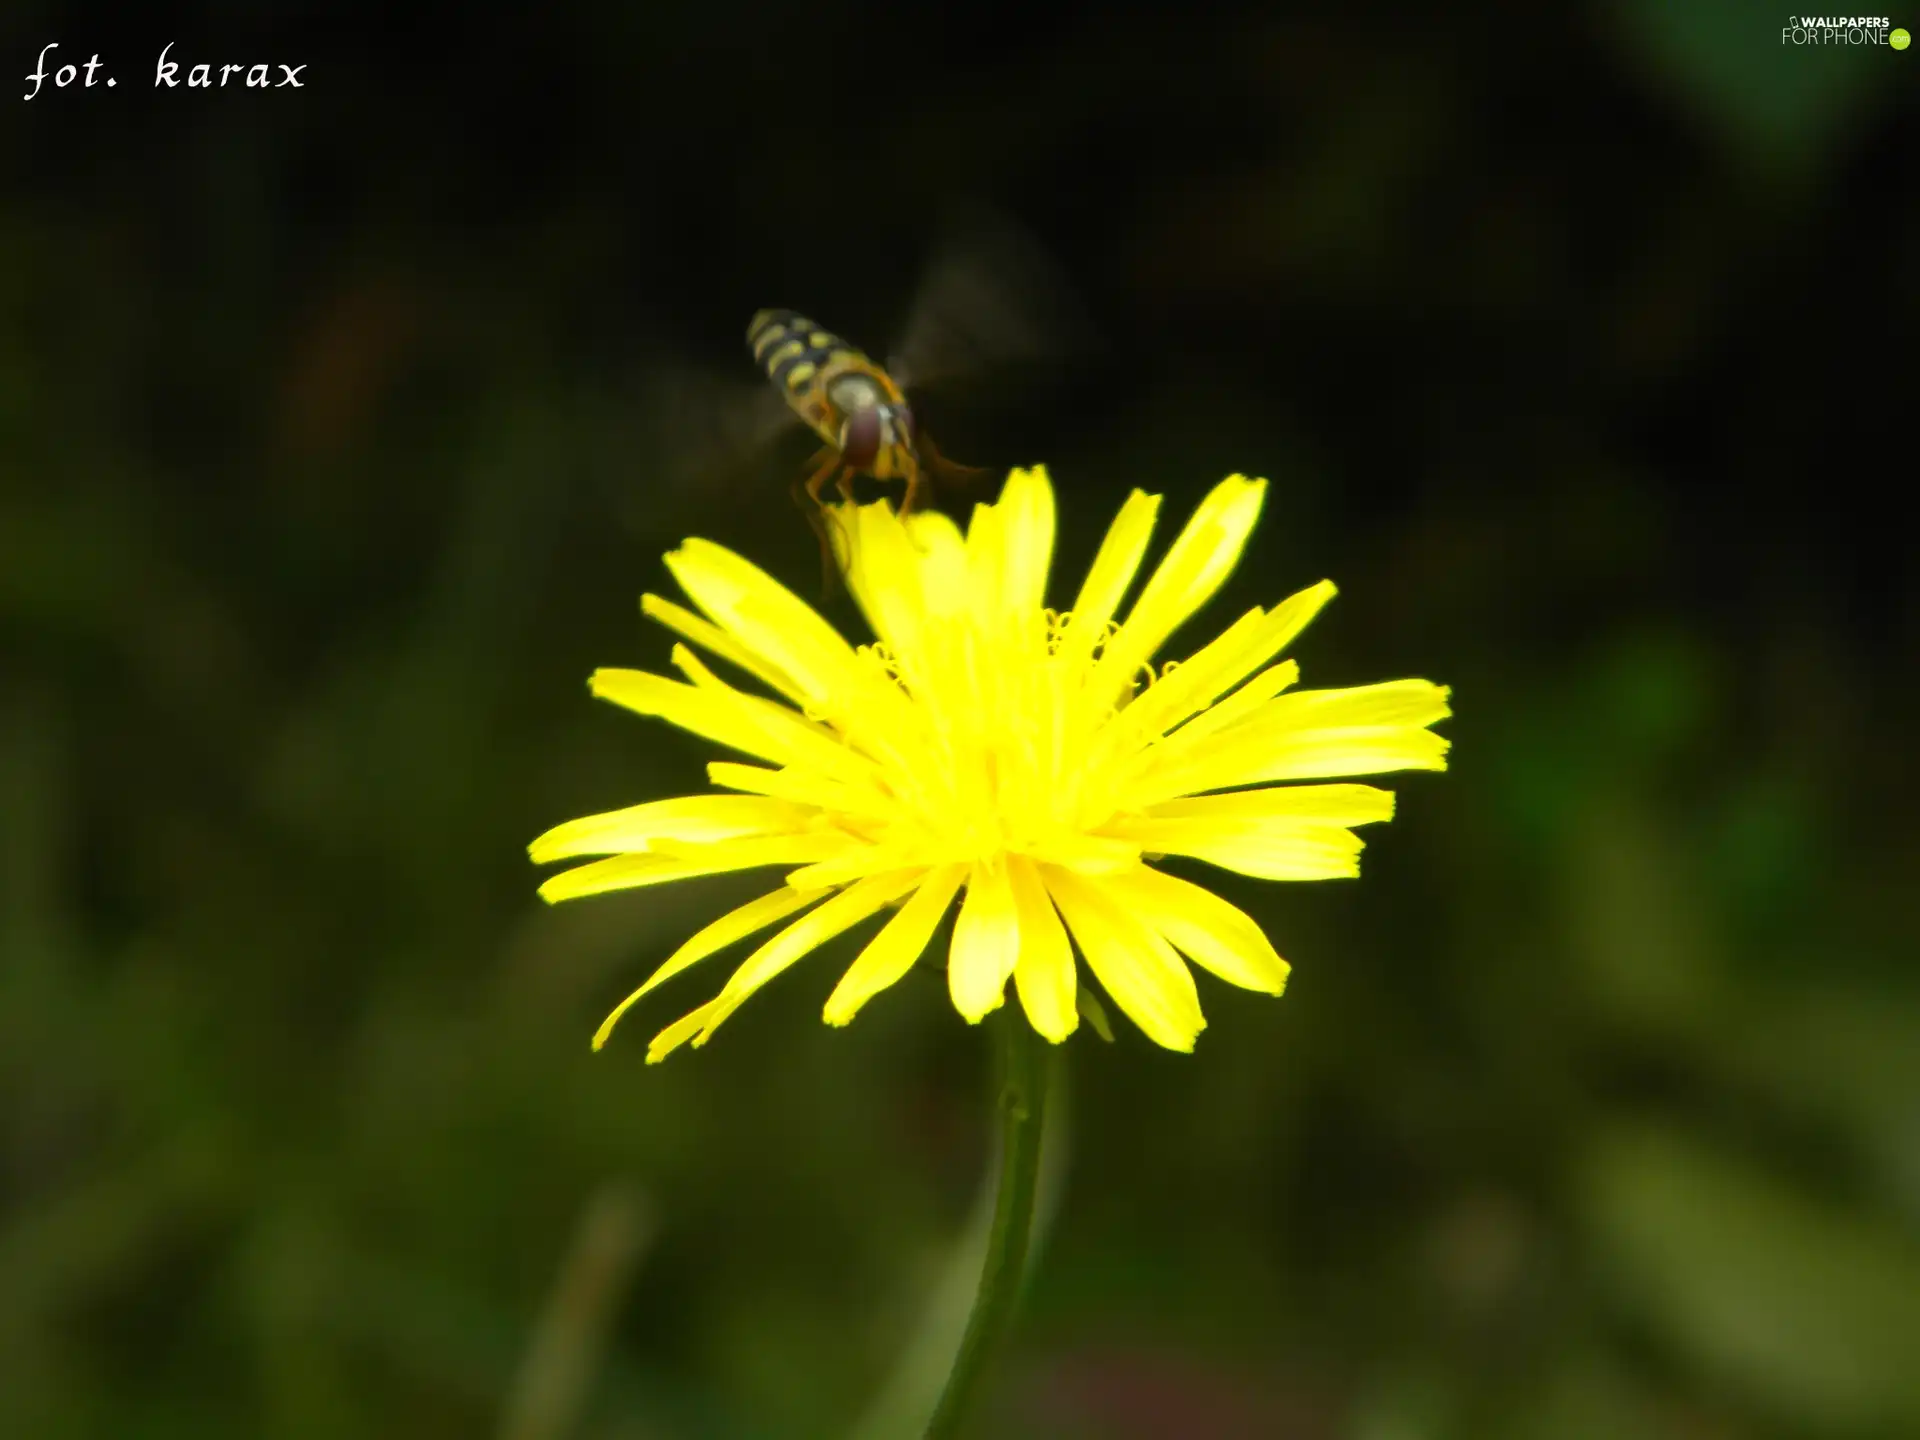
{"type": "Point", "coordinates": [1023, 1103]}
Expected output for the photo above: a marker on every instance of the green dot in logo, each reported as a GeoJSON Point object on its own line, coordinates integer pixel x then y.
{"type": "Point", "coordinates": [1899, 39]}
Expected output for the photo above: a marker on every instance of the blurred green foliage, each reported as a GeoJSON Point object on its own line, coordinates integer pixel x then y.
{"type": "Point", "coordinates": [1592, 1111]}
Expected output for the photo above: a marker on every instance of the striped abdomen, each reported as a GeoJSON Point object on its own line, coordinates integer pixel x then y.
{"type": "Point", "coordinates": [795, 352]}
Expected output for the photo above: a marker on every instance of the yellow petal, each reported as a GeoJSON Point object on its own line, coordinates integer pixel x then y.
{"type": "Point", "coordinates": [750, 851]}
{"type": "Point", "coordinates": [805, 787]}
{"type": "Point", "coordinates": [1391, 702]}
{"type": "Point", "coordinates": [1008, 548]}
{"type": "Point", "coordinates": [711, 637]}
{"type": "Point", "coordinates": [1327, 804]}
{"type": "Point", "coordinates": [910, 578]}
{"type": "Point", "coordinates": [1367, 730]}
{"type": "Point", "coordinates": [687, 817]}
{"type": "Point", "coordinates": [734, 925]}
{"type": "Point", "coordinates": [673, 860]}
{"type": "Point", "coordinates": [883, 573]}
{"type": "Point", "coordinates": [741, 722]}
{"type": "Point", "coordinates": [1211, 931]}
{"type": "Point", "coordinates": [1027, 510]}
{"type": "Point", "coordinates": [1109, 577]}
{"type": "Point", "coordinates": [808, 933]}
{"type": "Point", "coordinates": [678, 1033]}
{"type": "Point", "coordinates": [1217, 667]}
{"type": "Point", "coordinates": [1231, 711]}
{"type": "Point", "coordinates": [985, 529]}
{"type": "Point", "coordinates": [804, 740]}
{"type": "Point", "coordinates": [645, 693]}
{"type": "Point", "coordinates": [1269, 847]}
{"type": "Point", "coordinates": [1044, 973]}
{"type": "Point", "coordinates": [1136, 965]}
{"type": "Point", "coordinates": [1089, 854]}
{"type": "Point", "coordinates": [986, 942]}
{"type": "Point", "coordinates": [867, 860]}
{"type": "Point", "coordinates": [766, 617]}
{"type": "Point", "coordinates": [1197, 565]}
{"type": "Point", "coordinates": [943, 562]}
{"type": "Point", "coordinates": [1186, 685]}
{"type": "Point", "coordinates": [1309, 755]}
{"type": "Point", "coordinates": [622, 872]}
{"type": "Point", "coordinates": [891, 953]}
{"type": "Point", "coordinates": [868, 709]}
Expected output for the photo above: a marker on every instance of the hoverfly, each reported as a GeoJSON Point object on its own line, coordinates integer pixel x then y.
{"type": "Point", "coordinates": [856, 408]}
{"type": "Point", "coordinates": [991, 302]}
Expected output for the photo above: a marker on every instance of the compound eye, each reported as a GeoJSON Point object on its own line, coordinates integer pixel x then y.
{"type": "Point", "coordinates": [860, 438]}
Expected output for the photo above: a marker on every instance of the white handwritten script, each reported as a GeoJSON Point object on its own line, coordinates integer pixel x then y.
{"type": "Point", "coordinates": [166, 73]}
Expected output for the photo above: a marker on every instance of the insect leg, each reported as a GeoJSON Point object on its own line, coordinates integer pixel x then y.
{"type": "Point", "coordinates": [817, 481]}
{"type": "Point", "coordinates": [940, 467]}
{"type": "Point", "coordinates": [809, 508]}
{"type": "Point", "coordinates": [806, 491]}
{"type": "Point", "coordinates": [821, 462]}
{"type": "Point", "coordinates": [915, 484]}
{"type": "Point", "coordinates": [816, 509]}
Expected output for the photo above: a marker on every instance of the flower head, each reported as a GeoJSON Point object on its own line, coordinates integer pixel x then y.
{"type": "Point", "coordinates": [985, 744]}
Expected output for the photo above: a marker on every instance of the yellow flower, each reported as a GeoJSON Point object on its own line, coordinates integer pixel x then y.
{"type": "Point", "coordinates": [1033, 758]}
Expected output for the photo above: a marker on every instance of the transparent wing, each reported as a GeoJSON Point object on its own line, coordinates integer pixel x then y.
{"type": "Point", "coordinates": [710, 430]}
{"type": "Point", "coordinates": [992, 298]}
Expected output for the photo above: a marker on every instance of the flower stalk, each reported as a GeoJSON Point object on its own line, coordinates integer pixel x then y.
{"type": "Point", "coordinates": [1024, 1075]}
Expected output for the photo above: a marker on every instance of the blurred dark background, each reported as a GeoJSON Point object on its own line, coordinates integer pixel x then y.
{"type": "Point", "coordinates": [1578, 346]}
